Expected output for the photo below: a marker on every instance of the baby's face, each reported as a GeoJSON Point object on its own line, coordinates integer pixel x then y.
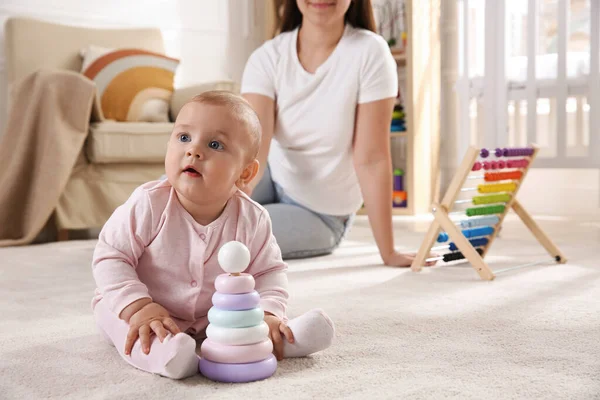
{"type": "Point", "coordinates": [207, 153]}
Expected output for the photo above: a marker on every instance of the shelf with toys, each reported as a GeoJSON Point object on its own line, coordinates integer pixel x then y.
{"type": "Point", "coordinates": [414, 132]}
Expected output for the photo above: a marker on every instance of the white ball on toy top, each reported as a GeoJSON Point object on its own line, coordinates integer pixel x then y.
{"type": "Point", "coordinates": [234, 257]}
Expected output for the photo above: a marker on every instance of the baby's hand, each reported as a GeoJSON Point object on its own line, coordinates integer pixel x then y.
{"type": "Point", "coordinates": [276, 328]}
{"type": "Point", "coordinates": [152, 318]}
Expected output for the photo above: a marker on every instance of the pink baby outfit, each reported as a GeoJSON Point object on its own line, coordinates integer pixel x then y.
{"type": "Point", "coordinates": [152, 247]}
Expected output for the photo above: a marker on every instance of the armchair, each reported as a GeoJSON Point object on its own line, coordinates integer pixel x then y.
{"type": "Point", "coordinates": [117, 156]}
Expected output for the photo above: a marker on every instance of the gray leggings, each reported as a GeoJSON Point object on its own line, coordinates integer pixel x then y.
{"type": "Point", "coordinates": [300, 232]}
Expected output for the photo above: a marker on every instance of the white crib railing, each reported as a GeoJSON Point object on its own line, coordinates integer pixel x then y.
{"type": "Point", "coordinates": [502, 105]}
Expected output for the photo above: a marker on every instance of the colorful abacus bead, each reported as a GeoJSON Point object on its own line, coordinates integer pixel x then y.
{"type": "Point", "coordinates": [521, 163]}
{"type": "Point", "coordinates": [497, 187]}
{"type": "Point", "coordinates": [501, 164]}
{"type": "Point", "coordinates": [499, 209]}
{"type": "Point", "coordinates": [237, 348]}
{"type": "Point", "coordinates": [484, 153]}
{"type": "Point", "coordinates": [490, 220]}
{"type": "Point", "coordinates": [499, 152]}
{"type": "Point", "coordinates": [476, 166]}
{"type": "Point", "coordinates": [477, 232]}
{"type": "Point", "coordinates": [442, 237]}
{"type": "Point", "coordinates": [459, 255]}
{"type": "Point", "coordinates": [501, 176]}
{"type": "Point", "coordinates": [477, 242]}
{"type": "Point", "coordinates": [492, 198]}
{"type": "Point", "coordinates": [516, 152]}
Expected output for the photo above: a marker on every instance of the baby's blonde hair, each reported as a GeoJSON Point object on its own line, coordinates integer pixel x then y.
{"type": "Point", "coordinates": [240, 109]}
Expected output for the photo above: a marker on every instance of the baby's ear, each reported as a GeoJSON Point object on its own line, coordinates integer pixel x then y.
{"type": "Point", "coordinates": [248, 173]}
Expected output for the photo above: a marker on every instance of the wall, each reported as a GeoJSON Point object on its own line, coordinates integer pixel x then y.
{"type": "Point", "coordinates": [213, 38]}
{"type": "Point", "coordinates": [562, 192]}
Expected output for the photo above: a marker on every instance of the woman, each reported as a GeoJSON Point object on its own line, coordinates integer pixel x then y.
{"type": "Point", "coordinates": [324, 90]}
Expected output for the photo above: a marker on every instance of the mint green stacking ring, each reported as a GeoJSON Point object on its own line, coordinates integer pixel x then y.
{"type": "Point", "coordinates": [235, 319]}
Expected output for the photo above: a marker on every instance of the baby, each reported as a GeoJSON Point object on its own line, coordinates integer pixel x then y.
{"type": "Point", "coordinates": [155, 263]}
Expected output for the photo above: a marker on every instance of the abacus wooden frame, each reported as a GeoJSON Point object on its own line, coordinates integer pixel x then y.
{"type": "Point", "coordinates": [442, 221]}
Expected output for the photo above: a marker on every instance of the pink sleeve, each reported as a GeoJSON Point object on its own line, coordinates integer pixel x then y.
{"type": "Point", "coordinates": [268, 269]}
{"type": "Point", "coordinates": [121, 243]}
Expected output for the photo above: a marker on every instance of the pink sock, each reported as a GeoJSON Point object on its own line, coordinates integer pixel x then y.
{"type": "Point", "coordinates": [313, 331]}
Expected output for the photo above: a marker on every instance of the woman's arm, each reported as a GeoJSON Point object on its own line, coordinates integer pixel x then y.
{"type": "Point", "coordinates": [265, 108]}
{"type": "Point", "coordinates": [373, 165]}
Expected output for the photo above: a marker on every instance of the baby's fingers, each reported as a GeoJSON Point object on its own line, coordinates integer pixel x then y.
{"type": "Point", "coordinates": [132, 335]}
{"type": "Point", "coordinates": [171, 326]}
{"type": "Point", "coordinates": [287, 332]}
{"type": "Point", "coordinates": [277, 343]}
{"type": "Point", "coordinates": [145, 338]}
{"type": "Point", "coordinates": [159, 329]}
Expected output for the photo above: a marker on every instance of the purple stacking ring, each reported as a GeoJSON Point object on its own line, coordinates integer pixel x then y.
{"type": "Point", "coordinates": [237, 373]}
{"type": "Point", "coordinates": [236, 302]}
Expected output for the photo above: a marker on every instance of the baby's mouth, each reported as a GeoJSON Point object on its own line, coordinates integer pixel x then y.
{"type": "Point", "coordinates": [190, 171]}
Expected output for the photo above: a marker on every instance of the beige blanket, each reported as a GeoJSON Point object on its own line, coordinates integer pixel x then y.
{"type": "Point", "coordinates": [46, 130]}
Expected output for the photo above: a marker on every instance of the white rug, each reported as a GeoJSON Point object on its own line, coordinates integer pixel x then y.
{"type": "Point", "coordinates": [442, 333]}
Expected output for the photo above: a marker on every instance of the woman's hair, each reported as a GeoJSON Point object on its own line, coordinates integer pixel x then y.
{"type": "Point", "coordinates": [359, 15]}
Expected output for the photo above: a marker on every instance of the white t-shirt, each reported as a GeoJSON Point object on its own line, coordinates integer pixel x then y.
{"type": "Point", "coordinates": [311, 150]}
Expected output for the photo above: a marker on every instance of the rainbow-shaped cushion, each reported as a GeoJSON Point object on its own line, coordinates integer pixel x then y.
{"type": "Point", "coordinates": [131, 81]}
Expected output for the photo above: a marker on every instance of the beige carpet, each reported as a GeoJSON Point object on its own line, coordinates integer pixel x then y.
{"type": "Point", "coordinates": [443, 333]}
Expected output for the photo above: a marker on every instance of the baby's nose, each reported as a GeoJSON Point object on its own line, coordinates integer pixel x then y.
{"type": "Point", "coordinates": [195, 153]}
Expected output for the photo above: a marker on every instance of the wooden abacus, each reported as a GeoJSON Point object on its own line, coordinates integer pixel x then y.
{"type": "Point", "coordinates": [481, 225]}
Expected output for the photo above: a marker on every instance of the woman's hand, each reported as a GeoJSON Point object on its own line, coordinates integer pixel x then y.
{"type": "Point", "coordinates": [397, 259]}
{"type": "Point", "coordinates": [150, 319]}
{"type": "Point", "coordinates": [276, 329]}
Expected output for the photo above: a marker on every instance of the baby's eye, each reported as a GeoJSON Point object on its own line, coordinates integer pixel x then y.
{"type": "Point", "coordinates": [184, 137]}
{"type": "Point", "coordinates": [213, 144]}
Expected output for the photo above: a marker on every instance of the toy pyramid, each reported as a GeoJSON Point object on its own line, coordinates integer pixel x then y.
{"type": "Point", "coordinates": [237, 348]}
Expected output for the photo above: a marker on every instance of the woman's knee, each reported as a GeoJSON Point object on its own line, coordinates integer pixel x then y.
{"type": "Point", "coordinates": [306, 253]}
{"type": "Point", "coordinates": [301, 233]}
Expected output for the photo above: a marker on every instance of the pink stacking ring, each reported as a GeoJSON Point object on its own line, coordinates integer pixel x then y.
{"type": "Point", "coordinates": [234, 373]}
{"type": "Point", "coordinates": [234, 284]}
{"type": "Point", "coordinates": [236, 302]}
{"type": "Point", "coordinates": [220, 353]}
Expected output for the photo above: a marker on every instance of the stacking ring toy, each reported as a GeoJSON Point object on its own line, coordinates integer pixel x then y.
{"type": "Point", "coordinates": [234, 284]}
{"type": "Point", "coordinates": [235, 319]}
{"type": "Point", "coordinates": [236, 302]}
{"type": "Point", "coordinates": [233, 373]}
{"type": "Point", "coordinates": [250, 353]}
{"type": "Point", "coordinates": [238, 336]}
